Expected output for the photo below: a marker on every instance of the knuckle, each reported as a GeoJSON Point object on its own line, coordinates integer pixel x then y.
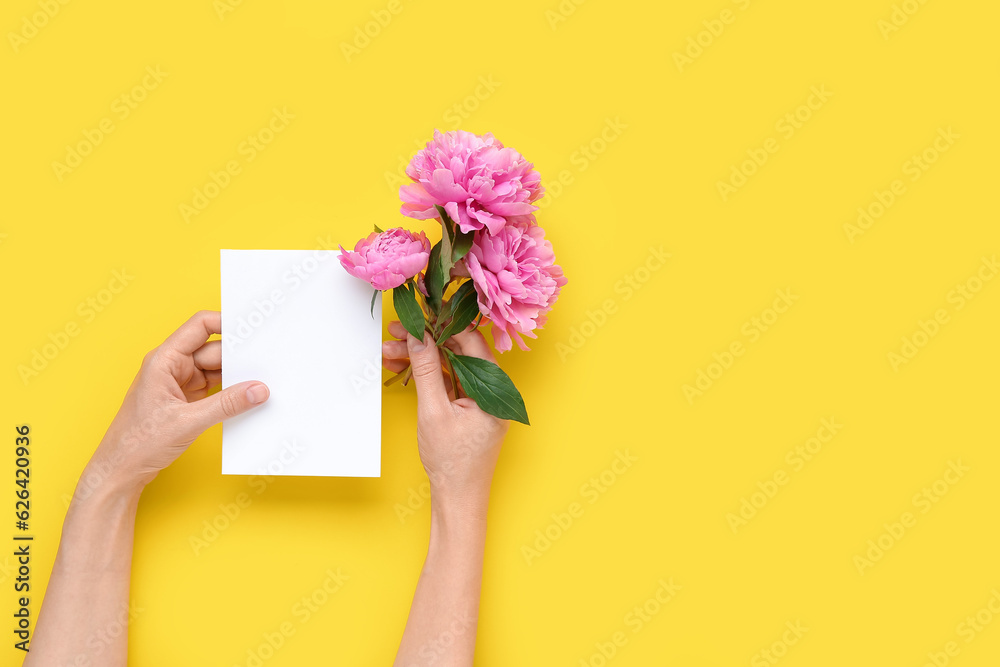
{"type": "Point", "coordinates": [154, 362]}
{"type": "Point", "coordinates": [149, 358]}
{"type": "Point", "coordinates": [172, 360]}
{"type": "Point", "coordinates": [423, 367]}
{"type": "Point", "coordinates": [229, 404]}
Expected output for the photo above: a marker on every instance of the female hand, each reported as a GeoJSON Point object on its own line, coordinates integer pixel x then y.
{"type": "Point", "coordinates": [165, 409]}
{"type": "Point", "coordinates": [459, 444]}
{"type": "Point", "coordinates": [167, 406]}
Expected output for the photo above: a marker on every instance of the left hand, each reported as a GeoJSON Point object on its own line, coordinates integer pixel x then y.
{"type": "Point", "coordinates": [168, 406]}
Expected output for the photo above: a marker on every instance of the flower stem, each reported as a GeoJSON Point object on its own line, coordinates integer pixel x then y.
{"type": "Point", "coordinates": [454, 378]}
{"type": "Point", "coordinates": [430, 317]}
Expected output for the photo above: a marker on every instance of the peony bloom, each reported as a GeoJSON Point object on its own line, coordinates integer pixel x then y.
{"type": "Point", "coordinates": [517, 280]}
{"type": "Point", "coordinates": [387, 259]}
{"type": "Point", "coordinates": [477, 181]}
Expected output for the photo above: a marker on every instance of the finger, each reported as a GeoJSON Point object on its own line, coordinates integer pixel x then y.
{"type": "Point", "coordinates": [192, 334]}
{"type": "Point", "coordinates": [196, 381]}
{"type": "Point", "coordinates": [397, 330]}
{"type": "Point", "coordinates": [195, 387]}
{"type": "Point", "coordinates": [395, 365]}
{"type": "Point", "coordinates": [212, 378]}
{"type": "Point", "coordinates": [427, 374]}
{"type": "Point", "coordinates": [227, 403]}
{"type": "Point", "coordinates": [473, 344]}
{"type": "Point", "coordinates": [209, 355]}
{"type": "Point", "coordinates": [453, 345]}
{"type": "Point", "coordinates": [395, 349]}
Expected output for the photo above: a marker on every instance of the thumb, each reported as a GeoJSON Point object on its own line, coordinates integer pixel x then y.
{"type": "Point", "coordinates": [227, 403]}
{"type": "Point", "coordinates": [425, 363]}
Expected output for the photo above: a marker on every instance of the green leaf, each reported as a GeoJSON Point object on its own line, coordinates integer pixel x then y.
{"type": "Point", "coordinates": [410, 314]}
{"type": "Point", "coordinates": [464, 308]}
{"type": "Point", "coordinates": [377, 229]}
{"type": "Point", "coordinates": [372, 309]}
{"type": "Point", "coordinates": [446, 261]}
{"type": "Point", "coordinates": [446, 237]}
{"type": "Point", "coordinates": [491, 388]}
{"type": "Point", "coordinates": [462, 290]}
{"type": "Point", "coordinates": [447, 224]}
{"type": "Point", "coordinates": [461, 245]}
{"type": "Point", "coordinates": [434, 279]}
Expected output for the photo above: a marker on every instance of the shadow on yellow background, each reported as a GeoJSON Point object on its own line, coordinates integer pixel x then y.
{"type": "Point", "coordinates": [763, 410]}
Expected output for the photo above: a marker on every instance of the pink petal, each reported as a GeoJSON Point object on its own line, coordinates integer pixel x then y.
{"type": "Point", "coordinates": [443, 187]}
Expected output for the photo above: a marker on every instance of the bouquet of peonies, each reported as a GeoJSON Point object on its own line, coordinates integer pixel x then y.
{"type": "Point", "coordinates": [492, 263]}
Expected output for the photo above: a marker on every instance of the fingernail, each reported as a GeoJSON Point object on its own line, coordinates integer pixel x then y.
{"type": "Point", "coordinates": [258, 393]}
{"type": "Point", "coordinates": [416, 345]}
{"type": "Point", "coordinates": [385, 347]}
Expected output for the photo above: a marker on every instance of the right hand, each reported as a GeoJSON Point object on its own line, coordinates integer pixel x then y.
{"type": "Point", "coordinates": [459, 444]}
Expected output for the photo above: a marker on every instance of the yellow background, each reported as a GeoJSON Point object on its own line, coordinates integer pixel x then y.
{"type": "Point", "coordinates": [655, 185]}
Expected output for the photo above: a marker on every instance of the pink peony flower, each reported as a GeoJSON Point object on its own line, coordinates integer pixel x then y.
{"type": "Point", "coordinates": [517, 280]}
{"type": "Point", "coordinates": [477, 181]}
{"type": "Point", "coordinates": [387, 259]}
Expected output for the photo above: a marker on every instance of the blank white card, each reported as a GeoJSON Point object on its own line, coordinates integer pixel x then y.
{"type": "Point", "coordinates": [297, 321]}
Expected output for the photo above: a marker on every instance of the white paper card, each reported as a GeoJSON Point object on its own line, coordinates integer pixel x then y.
{"type": "Point", "coordinates": [295, 320]}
